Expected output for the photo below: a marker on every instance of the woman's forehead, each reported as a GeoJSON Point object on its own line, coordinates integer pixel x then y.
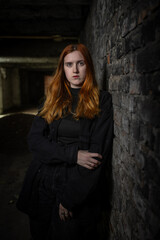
{"type": "Point", "coordinates": [74, 56]}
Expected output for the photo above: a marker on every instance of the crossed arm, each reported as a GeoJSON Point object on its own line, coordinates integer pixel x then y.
{"type": "Point", "coordinates": [51, 152]}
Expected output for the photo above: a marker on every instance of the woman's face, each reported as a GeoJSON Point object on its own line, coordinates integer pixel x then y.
{"type": "Point", "coordinates": [75, 69]}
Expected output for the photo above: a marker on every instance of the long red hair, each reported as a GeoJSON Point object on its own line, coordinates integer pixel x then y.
{"type": "Point", "coordinates": [59, 99]}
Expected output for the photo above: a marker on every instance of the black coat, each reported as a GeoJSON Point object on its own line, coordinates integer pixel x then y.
{"type": "Point", "coordinates": [96, 135]}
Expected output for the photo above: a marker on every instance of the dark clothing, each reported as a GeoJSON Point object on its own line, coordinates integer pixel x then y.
{"type": "Point", "coordinates": [69, 128]}
{"type": "Point", "coordinates": [55, 175]}
{"type": "Point", "coordinates": [47, 223]}
{"type": "Point", "coordinates": [68, 131]}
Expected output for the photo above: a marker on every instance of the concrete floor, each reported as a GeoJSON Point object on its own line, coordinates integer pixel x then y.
{"type": "Point", "coordinates": [14, 161]}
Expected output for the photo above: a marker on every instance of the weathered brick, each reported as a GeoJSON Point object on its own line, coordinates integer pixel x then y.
{"type": "Point", "coordinates": [157, 24]}
{"type": "Point", "coordinates": [133, 41]}
{"type": "Point", "coordinates": [117, 149]}
{"type": "Point", "coordinates": [126, 63]}
{"type": "Point", "coordinates": [149, 111]}
{"type": "Point", "coordinates": [125, 122]}
{"type": "Point", "coordinates": [154, 4]}
{"type": "Point", "coordinates": [116, 131]}
{"type": "Point", "coordinates": [135, 129]}
{"type": "Point", "coordinates": [125, 26]}
{"type": "Point", "coordinates": [117, 69]}
{"type": "Point", "coordinates": [124, 140]}
{"type": "Point", "coordinates": [147, 136]}
{"type": "Point", "coordinates": [120, 49]}
{"type": "Point", "coordinates": [156, 133]}
{"type": "Point", "coordinates": [152, 168]}
{"type": "Point", "coordinates": [145, 84]}
{"type": "Point", "coordinates": [133, 146]}
{"type": "Point", "coordinates": [114, 83]}
{"type": "Point", "coordinates": [113, 56]}
{"type": "Point", "coordinates": [148, 32]}
{"type": "Point", "coordinates": [132, 104]}
{"type": "Point", "coordinates": [155, 83]}
{"type": "Point", "coordinates": [130, 219]}
{"type": "Point", "coordinates": [140, 161]}
{"type": "Point", "coordinates": [129, 165]}
{"type": "Point", "coordinates": [116, 98]}
{"type": "Point", "coordinates": [152, 55]}
{"type": "Point", "coordinates": [154, 197]}
{"type": "Point", "coordinates": [124, 84]}
{"type": "Point", "coordinates": [141, 230]}
{"type": "Point", "coordinates": [139, 202]}
{"type": "Point", "coordinates": [135, 84]}
{"type": "Point", "coordinates": [145, 8]}
{"type": "Point", "coordinates": [125, 101]}
{"type": "Point", "coordinates": [132, 48]}
{"type": "Point", "coordinates": [153, 222]}
{"type": "Point", "coordinates": [108, 44]}
{"type": "Point", "coordinates": [132, 19]}
{"type": "Point", "coordinates": [102, 51]}
{"type": "Point", "coordinates": [150, 84]}
{"type": "Point", "coordinates": [132, 62]}
{"type": "Point", "coordinates": [108, 70]}
{"type": "Point", "coordinates": [112, 40]}
{"type": "Point", "coordinates": [117, 116]}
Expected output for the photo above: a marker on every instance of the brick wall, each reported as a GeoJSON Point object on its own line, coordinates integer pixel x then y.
{"type": "Point", "coordinates": [123, 38]}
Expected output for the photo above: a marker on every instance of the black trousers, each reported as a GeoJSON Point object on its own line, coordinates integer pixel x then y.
{"type": "Point", "coordinates": [47, 225]}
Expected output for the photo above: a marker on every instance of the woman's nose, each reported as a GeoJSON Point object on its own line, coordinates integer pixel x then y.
{"type": "Point", "coordinates": [75, 68]}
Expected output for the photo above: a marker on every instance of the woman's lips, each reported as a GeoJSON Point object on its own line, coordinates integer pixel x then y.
{"type": "Point", "coordinates": [76, 76]}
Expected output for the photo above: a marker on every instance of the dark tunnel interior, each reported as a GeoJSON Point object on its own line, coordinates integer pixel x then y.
{"type": "Point", "coordinates": [123, 37]}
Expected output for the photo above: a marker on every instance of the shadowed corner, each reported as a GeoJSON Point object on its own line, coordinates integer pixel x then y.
{"type": "Point", "coordinates": [14, 161]}
{"type": "Point", "coordinates": [14, 129]}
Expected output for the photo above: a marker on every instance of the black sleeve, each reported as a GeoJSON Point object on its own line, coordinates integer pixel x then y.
{"type": "Point", "coordinates": [49, 152]}
{"type": "Point", "coordinates": [85, 181]}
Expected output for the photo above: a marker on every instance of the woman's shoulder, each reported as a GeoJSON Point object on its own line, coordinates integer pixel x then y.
{"type": "Point", "coordinates": [105, 97]}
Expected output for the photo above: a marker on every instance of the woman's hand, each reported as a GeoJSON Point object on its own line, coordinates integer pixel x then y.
{"type": "Point", "coordinates": [87, 159]}
{"type": "Point", "coordinates": [64, 214]}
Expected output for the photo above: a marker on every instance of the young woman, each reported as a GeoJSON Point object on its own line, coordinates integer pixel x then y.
{"type": "Point", "coordinates": [71, 142]}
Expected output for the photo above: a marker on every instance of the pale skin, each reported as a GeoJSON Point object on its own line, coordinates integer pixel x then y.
{"type": "Point", "coordinates": [75, 71]}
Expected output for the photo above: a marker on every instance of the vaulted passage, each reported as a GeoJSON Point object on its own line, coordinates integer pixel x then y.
{"type": "Point", "coordinates": [123, 37]}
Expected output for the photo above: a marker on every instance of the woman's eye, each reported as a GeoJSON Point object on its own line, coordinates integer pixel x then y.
{"type": "Point", "coordinates": [68, 64]}
{"type": "Point", "coordinates": [81, 63]}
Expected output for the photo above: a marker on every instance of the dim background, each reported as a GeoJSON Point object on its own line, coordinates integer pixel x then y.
{"type": "Point", "coordinates": [123, 39]}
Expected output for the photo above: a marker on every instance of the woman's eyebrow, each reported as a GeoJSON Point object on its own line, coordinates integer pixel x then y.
{"type": "Point", "coordinates": [75, 61]}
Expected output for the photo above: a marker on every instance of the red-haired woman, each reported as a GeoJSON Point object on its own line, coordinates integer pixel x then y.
{"type": "Point", "coordinates": [71, 142]}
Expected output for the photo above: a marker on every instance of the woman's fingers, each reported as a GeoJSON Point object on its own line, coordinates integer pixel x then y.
{"type": "Point", "coordinates": [88, 159]}
{"type": "Point", "coordinates": [88, 166]}
{"type": "Point", "coordinates": [94, 161]}
{"type": "Point", "coordinates": [91, 165]}
{"type": "Point", "coordinates": [97, 155]}
{"type": "Point", "coordinates": [70, 214]}
{"type": "Point", "coordinates": [64, 214]}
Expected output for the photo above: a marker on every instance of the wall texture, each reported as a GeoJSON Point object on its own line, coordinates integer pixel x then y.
{"type": "Point", "coordinates": [123, 38]}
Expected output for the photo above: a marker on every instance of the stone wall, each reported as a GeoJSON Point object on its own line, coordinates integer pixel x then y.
{"type": "Point", "coordinates": [123, 38]}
